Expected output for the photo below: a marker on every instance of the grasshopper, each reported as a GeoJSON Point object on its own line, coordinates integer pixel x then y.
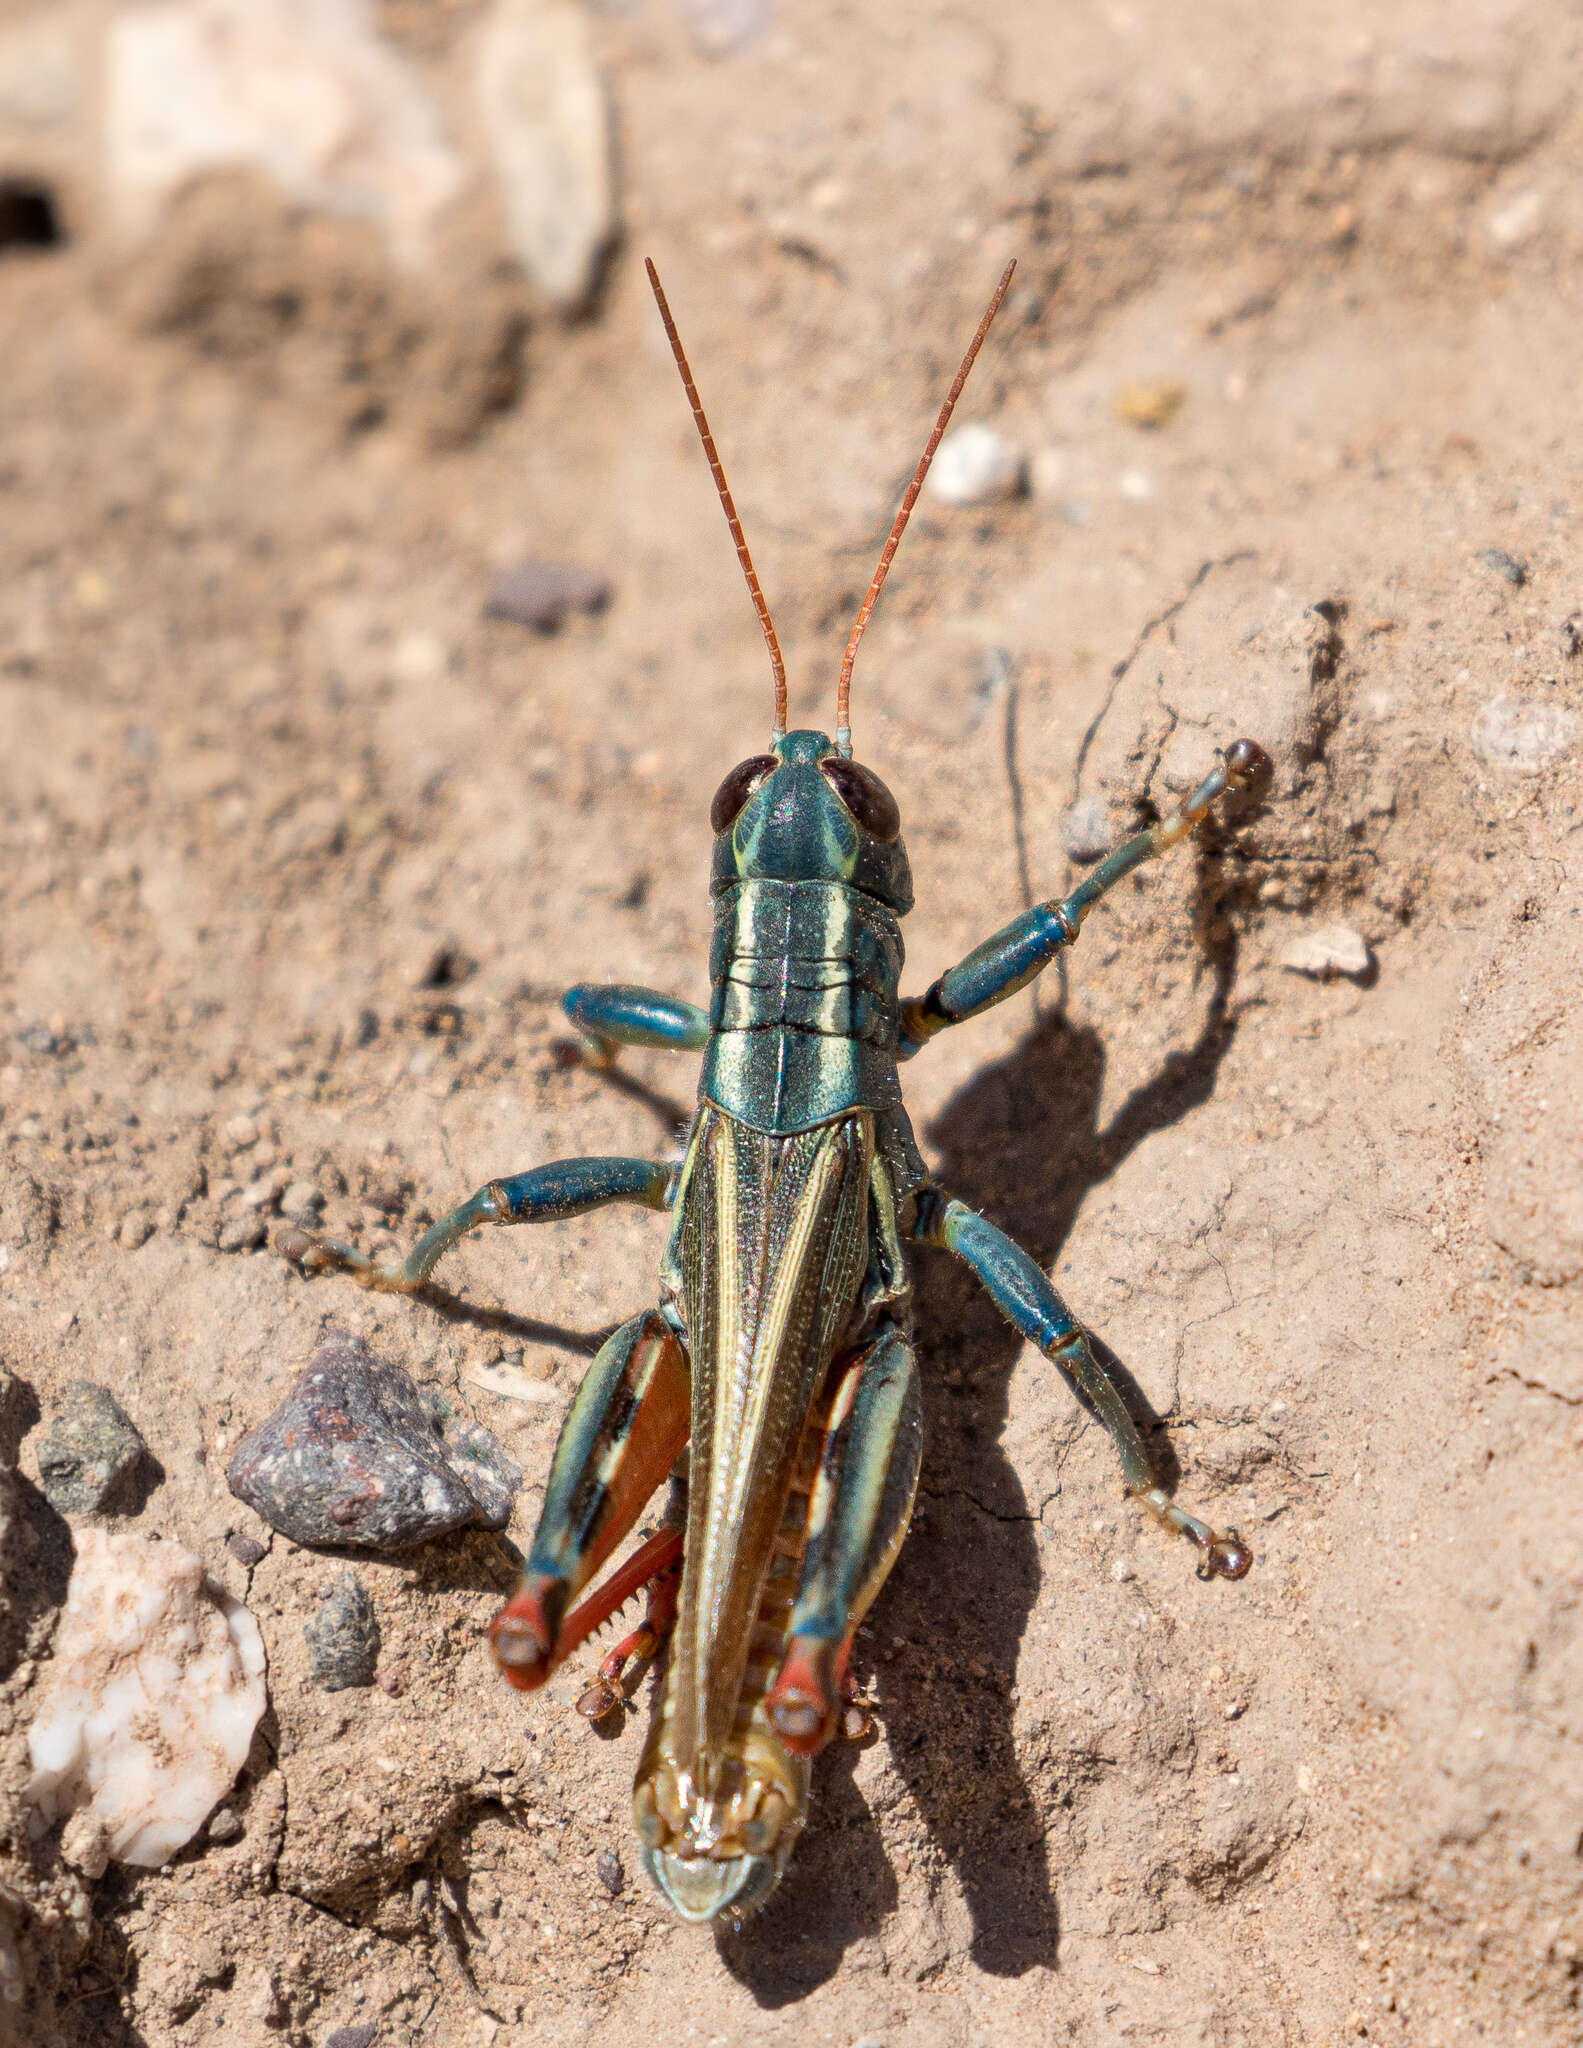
{"type": "Point", "coordinates": [779, 1359]}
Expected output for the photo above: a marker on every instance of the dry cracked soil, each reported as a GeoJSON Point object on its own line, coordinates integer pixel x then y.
{"type": "Point", "coordinates": [300, 849]}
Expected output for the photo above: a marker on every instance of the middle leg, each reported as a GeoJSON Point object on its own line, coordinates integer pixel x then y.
{"type": "Point", "coordinates": [544, 1194]}
{"type": "Point", "coordinates": [1025, 1297]}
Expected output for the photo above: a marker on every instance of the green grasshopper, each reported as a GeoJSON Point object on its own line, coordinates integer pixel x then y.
{"type": "Point", "coordinates": [779, 1358]}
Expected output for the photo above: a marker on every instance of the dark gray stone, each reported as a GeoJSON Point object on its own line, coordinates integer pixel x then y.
{"type": "Point", "coordinates": [477, 1459]}
{"type": "Point", "coordinates": [540, 594]}
{"type": "Point", "coordinates": [354, 1455]}
{"type": "Point", "coordinates": [363, 2035]}
{"type": "Point", "coordinates": [607, 1868]}
{"type": "Point", "coordinates": [1506, 566]}
{"type": "Point", "coordinates": [343, 1638]}
{"type": "Point", "coordinates": [88, 1461]}
{"type": "Point", "coordinates": [247, 1550]}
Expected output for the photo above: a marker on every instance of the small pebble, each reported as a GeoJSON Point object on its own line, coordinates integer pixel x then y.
{"type": "Point", "coordinates": [975, 465]}
{"type": "Point", "coordinates": [1520, 737]}
{"type": "Point", "coordinates": [361, 2036]}
{"type": "Point", "coordinates": [225, 1826]}
{"type": "Point", "coordinates": [1499, 563]}
{"type": "Point", "coordinates": [244, 1233]}
{"type": "Point", "coordinates": [1150, 403]}
{"type": "Point", "coordinates": [135, 1229]}
{"type": "Point", "coordinates": [1516, 220]}
{"type": "Point", "coordinates": [241, 1131]}
{"type": "Point", "coordinates": [245, 1549]}
{"type": "Point", "coordinates": [540, 594]}
{"type": "Point", "coordinates": [87, 1462]}
{"type": "Point", "coordinates": [1085, 830]}
{"type": "Point", "coordinates": [419, 659]}
{"type": "Point", "coordinates": [722, 27]}
{"type": "Point", "coordinates": [1327, 951]}
{"type": "Point", "coordinates": [607, 1868]}
{"type": "Point", "coordinates": [301, 1201]}
{"type": "Point", "coordinates": [343, 1638]}
{"type": "Point", "coordinates": [262, 1193]}
{"type": "Point", "coordinates": [1570, 634]}
{"type": "Point", "coordinates": [353, 1455]}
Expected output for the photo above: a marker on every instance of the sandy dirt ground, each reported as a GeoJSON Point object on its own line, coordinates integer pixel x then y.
{"type": "Point", "coordinates": [299, 850]}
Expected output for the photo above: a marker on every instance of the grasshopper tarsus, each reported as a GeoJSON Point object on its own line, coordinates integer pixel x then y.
{"type": "Point", "coordinates": [1227, 1557]}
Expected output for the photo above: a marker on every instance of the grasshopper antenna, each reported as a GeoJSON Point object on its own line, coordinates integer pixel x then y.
{"type": "Point", "coordinates": [843, 695]}
{"type": "Point", "coordinates": [777, 663]}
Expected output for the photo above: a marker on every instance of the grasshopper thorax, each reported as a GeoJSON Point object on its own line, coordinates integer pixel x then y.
{"type": "Point", "coordinates": [803, 813]}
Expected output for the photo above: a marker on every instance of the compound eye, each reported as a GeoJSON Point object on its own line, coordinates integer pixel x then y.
{"type": "Point", "coordinates": [866, 797]}
{"type": "Point", "coordinates": [738, 786]}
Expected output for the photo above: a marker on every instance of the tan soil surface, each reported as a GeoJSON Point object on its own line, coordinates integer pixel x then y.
{"type": "Point", "coordinates": [263, 760]}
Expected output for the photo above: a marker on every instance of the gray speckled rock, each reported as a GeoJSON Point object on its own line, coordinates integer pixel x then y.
{"type": "Point", "coordinates": [343, 1638]}
{"type": "Point", "coordinates": [86, 1463]}
{"type": "Point", "coordinates": [355, 1455]}
{"type": "Point", "coordinates": [476, 1457]}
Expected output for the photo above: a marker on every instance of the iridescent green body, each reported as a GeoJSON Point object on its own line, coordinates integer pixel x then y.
{"type": "Point", "coordinates": [780, 1355]}
{"type": "Point", "coordinates": [805, 964]}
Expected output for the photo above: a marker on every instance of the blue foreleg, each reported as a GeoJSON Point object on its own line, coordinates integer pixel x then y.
{"type": "Point", "coordinates": [1023, 1294]}
{"type": "Point", "coordinates": [609, 1018]}
{"type": "Point", "coordinates": [1026, 946]}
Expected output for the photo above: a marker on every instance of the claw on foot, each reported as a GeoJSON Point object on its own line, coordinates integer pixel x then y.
{"type": "Point", "coordinates": [568, 1053]}
{"type": "Point", "coordinates": [1227, 1557]}
{"type": "Point", "coordinates": [298, 1249]}
{"type": "Point", "coordinates": [1248, 766]}
{"type": "Point", "coordinates": [310, 1255]}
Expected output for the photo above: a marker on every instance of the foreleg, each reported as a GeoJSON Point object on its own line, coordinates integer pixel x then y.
{"type": "Point", "coordinates": [609, 1018]}
{"type": "Point", "coordinates": [1023, 1294]}
{"type": "Point", "coordinates": [857, 1517]}
{"type": "Point", "coordinates": [1015, 955]}
{"type": "Point", "coordinates": [542, 1195]}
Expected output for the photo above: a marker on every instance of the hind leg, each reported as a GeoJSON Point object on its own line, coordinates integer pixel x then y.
{"type": "Point", "coordinates": [857, 1516]}
{"type": "Point", "coordinates": [621, 1437]}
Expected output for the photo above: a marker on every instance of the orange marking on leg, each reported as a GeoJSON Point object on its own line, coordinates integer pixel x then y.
{"type": "Point", "coordinates": [523, 1634]}
{"type": "Point", "coordinates": [802, 1701]}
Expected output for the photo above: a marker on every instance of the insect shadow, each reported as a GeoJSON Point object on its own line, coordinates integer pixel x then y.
{"type": "Point", "coordinates": [1023, 1143]}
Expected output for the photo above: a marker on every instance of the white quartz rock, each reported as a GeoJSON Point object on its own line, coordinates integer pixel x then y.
{"type": "Point", "coordinates": [150, 1699]}
{"type": "Point", "coordinates": [542, 105]}
{"type": "Point", "coordinates": [974, 465]}
{"type": "Point", "coordinates": [305, 91]}
{"type": "Point", "coordinates": [1328, 950]}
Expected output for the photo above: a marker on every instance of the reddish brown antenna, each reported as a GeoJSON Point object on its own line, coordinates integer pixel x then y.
{"type": "Point", "coordinates": [735, 524]}
{"type": "Point", "coordinates": [843, 695]}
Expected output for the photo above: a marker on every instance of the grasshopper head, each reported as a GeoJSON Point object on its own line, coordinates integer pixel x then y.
{"type": "Point", "coordinates": [803, 813]}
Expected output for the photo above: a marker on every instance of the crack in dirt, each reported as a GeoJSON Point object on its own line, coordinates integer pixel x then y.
{"type": "Point", "coordinates": [1144, 634]}
{"type": "Point", "coordinates": [1510, 1372]}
